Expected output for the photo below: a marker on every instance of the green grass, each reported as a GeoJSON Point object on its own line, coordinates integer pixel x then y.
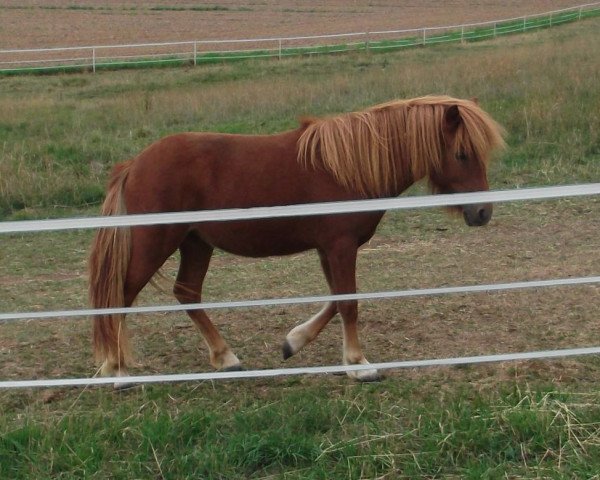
{"type": "Point", "coordinates": [61, 134]}
{"type": "Point", "coordinates": [318, 432]}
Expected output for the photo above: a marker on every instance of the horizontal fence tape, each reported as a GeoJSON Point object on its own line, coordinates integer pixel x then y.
{"type": "Point", "coordinates": [327, 208]}
{"type": "Point", "coordinates": [277, 372]}
{"type": "Point", "coordinates": [559, 282]}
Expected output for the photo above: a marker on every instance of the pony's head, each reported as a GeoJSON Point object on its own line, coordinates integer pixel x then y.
{"type": "Point", "coordinates": [469, 135]}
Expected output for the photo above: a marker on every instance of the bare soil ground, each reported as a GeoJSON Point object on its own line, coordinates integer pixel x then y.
{"type": "Point", "coordinates": [61, 23]}
{"type": "Point", "coordinates": [415, 249]}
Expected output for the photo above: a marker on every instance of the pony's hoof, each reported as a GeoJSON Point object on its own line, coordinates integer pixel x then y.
{"type": "Point", "coordinates": [287, 350]}
{"type": "Point", "coordinates": [366, 376]}
{"type": "Point", "coordinates": [233, 368]}
{"type": "Point", "coordinates": [123, 386]}
{"type": "Point", "coordinates": [371, 378]}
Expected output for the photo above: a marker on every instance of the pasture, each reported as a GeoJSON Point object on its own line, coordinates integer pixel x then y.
{"type": "Point", "coordinates": [61, 134]}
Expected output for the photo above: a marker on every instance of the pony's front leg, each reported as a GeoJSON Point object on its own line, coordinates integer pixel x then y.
{"type": "Point", "coordinates": [353, 354]}
{"type": "Point", "coordinates": [342, 265]}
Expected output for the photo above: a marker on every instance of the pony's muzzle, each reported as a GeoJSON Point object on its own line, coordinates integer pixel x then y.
{"type": "Point", "coordinates": [477, 215]}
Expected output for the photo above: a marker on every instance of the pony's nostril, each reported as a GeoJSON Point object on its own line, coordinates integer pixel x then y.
{"type": "Point", "coordinates": [476, 216]}
{"type": "Point", "coordinates": [484, 214]}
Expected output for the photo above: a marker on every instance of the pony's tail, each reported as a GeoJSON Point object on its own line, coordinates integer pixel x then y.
{"type": "Point", "coordinates": [108, 263]}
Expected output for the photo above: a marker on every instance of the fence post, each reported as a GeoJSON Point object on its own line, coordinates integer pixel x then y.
{"type": "Point", "coordinates": [580, 8]}
{"type": "Point", "coordinates": [424, 37]}
{"type": "Point", "coordinates": [462, 34]}
{"type": "Point", "coordinates": [524, 23]}
{"type": "Point", "coordinates": [495, 30]}
{"type": "Point", "coordinates": [550, 18]}
{"type": "Point", "coordinates": [279, 40]}
{"type": "Point", "coordinates": [93, 59]}
{"type": "Point", "coordinates": [367, 42]}
{"type": "Point", "coordinates": [195, 52]}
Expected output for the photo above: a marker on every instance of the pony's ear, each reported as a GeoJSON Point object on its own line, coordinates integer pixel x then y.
{"type": "Point", "coordinates": [451, 119]}
{"type": "Point", "coordinates": [475, 100]}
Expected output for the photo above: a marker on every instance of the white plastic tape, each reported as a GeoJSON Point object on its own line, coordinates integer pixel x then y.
{"type": "Point", "coordinates": [278, 372]}
{"type": "Point", "coordinates": [327, 208]}
{"type": "Point", "coordinates": [558, 282]}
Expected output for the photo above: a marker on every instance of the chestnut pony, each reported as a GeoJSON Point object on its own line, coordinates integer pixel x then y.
{"type": "Point", "coordinates": [378, 152]}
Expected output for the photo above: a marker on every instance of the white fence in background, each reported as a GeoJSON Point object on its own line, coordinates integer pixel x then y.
{"type": "Point", "coordinates": [294, 210]}
{"type": "Point", "coordinates": [93, 57]}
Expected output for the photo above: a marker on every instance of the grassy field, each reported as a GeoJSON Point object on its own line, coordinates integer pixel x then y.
{"type": "Point", "coordinates": [61, 134]}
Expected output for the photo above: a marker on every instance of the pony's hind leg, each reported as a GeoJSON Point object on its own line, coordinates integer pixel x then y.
{"type": "Point", "coordinates": [195, 258]}
{"type": "Point", "coordinates": [306, 332]}
{"type": "Point", "coordinates": [150, 247]}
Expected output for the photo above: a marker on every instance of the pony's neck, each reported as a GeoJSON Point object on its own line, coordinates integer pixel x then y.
{"type": "Point", "coordinates": [405, 177]}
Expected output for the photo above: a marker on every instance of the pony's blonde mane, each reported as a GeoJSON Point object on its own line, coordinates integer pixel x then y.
{"type": "Point", "coordinates": [365, 150]}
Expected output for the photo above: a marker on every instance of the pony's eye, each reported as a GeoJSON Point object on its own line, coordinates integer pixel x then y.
{"type": "Point", "coordinates": [461, 156]}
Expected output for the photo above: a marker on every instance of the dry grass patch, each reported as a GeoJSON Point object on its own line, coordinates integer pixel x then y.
{"type": "Point", "coordinates": [413, 250]}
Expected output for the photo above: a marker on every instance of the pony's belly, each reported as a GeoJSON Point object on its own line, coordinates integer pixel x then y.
{"type": "Point", "coordinates": [257, 238]}
{"type": "Point", "coordinates": [258, 250]}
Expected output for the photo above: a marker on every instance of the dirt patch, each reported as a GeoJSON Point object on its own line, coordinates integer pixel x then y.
{"type": "Point", "coordinates": [413, 250]}
{"type": "Point", "coordinates": [61, 23]}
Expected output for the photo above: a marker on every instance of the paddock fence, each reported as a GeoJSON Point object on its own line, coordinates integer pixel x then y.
{"type": "Point", "coordinates": [530, 194]}
{"type": "Point", "coordinates": [194, 52]}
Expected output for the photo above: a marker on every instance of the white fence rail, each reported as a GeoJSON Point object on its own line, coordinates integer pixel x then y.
{"type": "Point", "coordinates": [92, 57]}
{"type": "Point", "coordinates": [327, 208]}
{"type": "Point", "coordinates": [271, 302]}
{"type": "Point", "coordinates": [310, 209]}
{"type": "Point", "coordinates": [278, 372]}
